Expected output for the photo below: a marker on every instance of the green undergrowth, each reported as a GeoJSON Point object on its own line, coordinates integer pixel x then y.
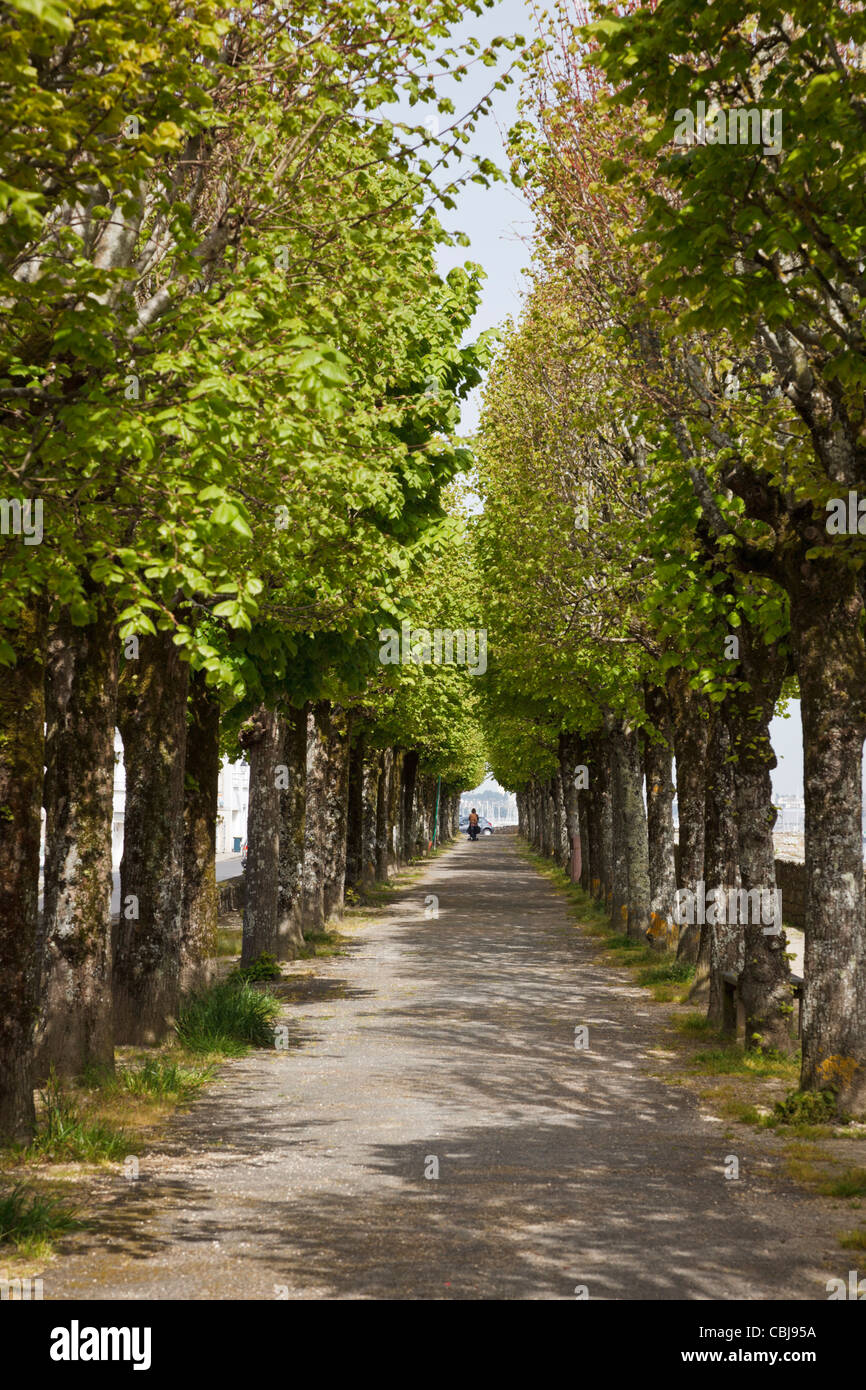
{"type": "Point", "coordinates": [322, 944]}
{"type": "Point", "coordinates": [229, 940]}
{"type": "Point", "coordinates": [68, 1132]}
{"type": "Point", "coordinates": [264, 967]}
{"type": "Point", "coordinates": [30, 1220]}
{"type": "Point", "coordinates": [227, 1018]}
{"type": "Point", "coordinates": [158, 1077]}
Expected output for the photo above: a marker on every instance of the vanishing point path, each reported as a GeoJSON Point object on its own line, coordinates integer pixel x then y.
{"type": "Point", "coordinates": [302, 1174]}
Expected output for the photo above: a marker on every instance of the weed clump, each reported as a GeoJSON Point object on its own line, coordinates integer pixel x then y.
{"type": "Point", "coordinates": [810, 1108]}
{"type": "Point", "coordinates": [227, 1018]}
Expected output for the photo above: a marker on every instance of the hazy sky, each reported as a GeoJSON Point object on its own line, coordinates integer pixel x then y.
{"type": "Point", "coordinates": [499, 222]}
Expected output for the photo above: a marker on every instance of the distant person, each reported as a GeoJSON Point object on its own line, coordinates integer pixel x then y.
{"type": "Point", "coordinates": [474, 824]}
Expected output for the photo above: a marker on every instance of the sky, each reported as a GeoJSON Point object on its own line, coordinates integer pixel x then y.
{"type": "Point", "coordinates": [498, 222]}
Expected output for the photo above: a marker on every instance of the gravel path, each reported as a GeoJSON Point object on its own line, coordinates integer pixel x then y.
{"type": "Point", "coordinates": [450, 1042]}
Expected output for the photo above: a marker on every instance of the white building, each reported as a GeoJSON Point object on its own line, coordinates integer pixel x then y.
{"type": "Point", "coordinates": [232, 802]}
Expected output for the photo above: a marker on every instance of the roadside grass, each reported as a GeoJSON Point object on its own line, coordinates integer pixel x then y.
{"type": "Point", "coordinates": [322, 944]}
{"type": "Point", "coordinates": [229, 940]}
{"type": "Point", "coordinates": [824, 1173]}
{"type": "Point", "coordinates": [853, 1240]}
{"type": "Point", "coordinates": [692, 1023]}
{"type": "Point", "coordinates": [159, 1078]}
{"type": "Point", "coordinates": [733, 1060]}
{"type": "Point", "coordinates": [68, 1133]}
{"type": "Point", "coordinates": [227, 1018]}
{"type": "Point", "coordinates": [31, 1220]}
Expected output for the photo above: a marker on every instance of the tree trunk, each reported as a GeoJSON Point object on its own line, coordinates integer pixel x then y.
{"type": "Point", "coordinates": [293, 820]}
{"type": "Point", "coordinates": [619, 780]}
{"type": "Point", "coordinates": [80, 709]}
{"type": "Point", "coordinates": [826, 620]}
{"type": "Point", "coordinates": [152, 716]}
{"type": "Point", "coordinates": [407, 800]}
{"type": "Point", "coordinates": [765, 983]}
{"type": "Point", "coordinates": [690, 717]}
{"type": "Point", "coordinates": [597, 803]}
{"type": "Point", "coordinates": [561, 842]}
{"type": "Point", "coordinates": [355, 813]}
{"type": "Point", "coordinates": [336, 810]}
{"type": "Point", "coordinates": [371, 778]}
{"type": "Point", "coordinates": [264, 737]}
{"type": "Point", "coordinates": [314, 869]}
{"type": "Point", "coordinates": [660, 823]}
{"type": "Point", "coordinates": [22, 743]}
{"type": "Point", "coordinates": [634, 826]}
{"type": "Point", "coordinates": [394, 811]}
{"type": "Point", "coordinates": [383, 795]}
{"type": "Point", "coordinates": [721, 941]}
{"type": "Point", "coordinates": [569, 759]}
{"type": "Point", "coordinates": [200, 918]}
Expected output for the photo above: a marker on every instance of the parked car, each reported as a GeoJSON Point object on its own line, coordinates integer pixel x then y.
{"type": "Point", "coordinates": [485, 825]}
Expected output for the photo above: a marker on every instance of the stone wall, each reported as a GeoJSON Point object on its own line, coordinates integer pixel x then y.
{"type": "Point", "coordinates": [232, 893]}
{"type": "Point", "coordinates": [791, 879]}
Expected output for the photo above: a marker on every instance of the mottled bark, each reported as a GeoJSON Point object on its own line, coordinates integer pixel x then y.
{"type": "Point", "coordinates": [765, 982]}
{"type": "Point", "coordinates": [618, 784]}
{"type": "Point", "coordinates": [80, 710]}
{"type": "Point", "coordinates": [409, 774]}
{"type": "Point", "coordinates": [561, 841]}
{"type": "Point", "coordinates": [152, 719]}
{"type": "Point", "coordinates": [355, 810]}
{"type": "Point", "coordinates": [263, 737]}
{"type": "Point", "coordinates": [601, 824]}
{"type": "Point", "coordinates": [721, 940]}
{"type": "Point", "coordinates": [658, 770]}
{"type": "Point", "coordinates": [827, 630]}
{"type": "Point", "coordinates": [690, 719]}
{"type": "Point", "coordinates": [200, 917]}
{"type": "Point", "coordinates": [314, 869]}
{"type": "Point", "coordinates": [569, 760]}
{"type": "Point", "coordinates": [394, 812]}
{"type": "Point", "coordinates": [548, 845]}
{"type": "Point", "coordinates": [633, 829]}
{"type": "Point", "coordinates": [335, 809]}
{"type": "Point", "coordinates": [370, 782]}
{"type": "Point", "coordinates": [383, 796]}
{"type": "Point", "coordinates": [293, 819]}
{"type": "Point", "coordinates": [22, 716]}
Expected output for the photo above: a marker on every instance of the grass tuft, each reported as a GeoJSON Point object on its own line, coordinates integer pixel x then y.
{"type": "Point", "coordinates": [227, 1018]}
{"type": "Point", "coordinates": [63, 1133]}
{"type": "Point", "coordinates": [809, 1108]}
{"type": "Point", "coordinates": [163, 1079]}
{"type": "Point", "coordinates": [29, 1220]}
{"type": "Point", "coordinates": [264, 967]}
